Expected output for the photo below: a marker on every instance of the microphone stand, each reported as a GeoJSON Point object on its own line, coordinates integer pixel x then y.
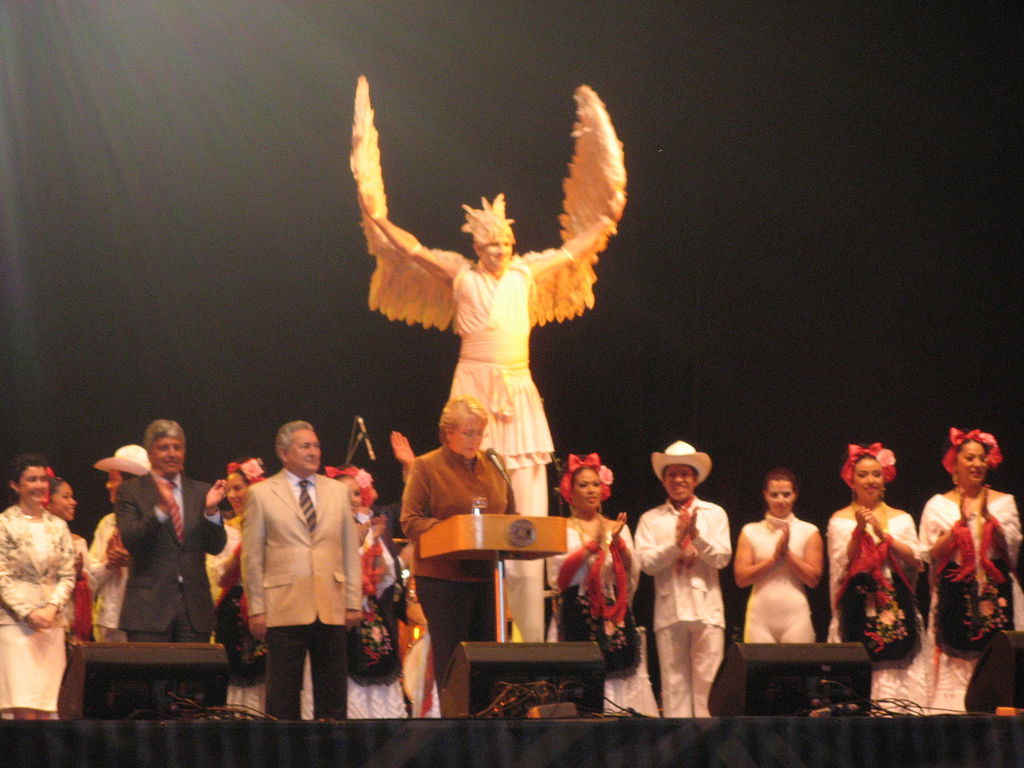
{"type": "Point", "coordinates": [500, 627]}
{"type": "Point", "coordinates": [354, 439]}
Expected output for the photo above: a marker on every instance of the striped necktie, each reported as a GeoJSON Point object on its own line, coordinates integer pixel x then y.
{"type": "Point", "coordinates": [175, 512]}
{"type": "Point", "coordinates": [308, 510]}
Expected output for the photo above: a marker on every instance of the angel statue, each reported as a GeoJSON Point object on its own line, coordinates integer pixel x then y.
{"type": "Point", "coordinates": [497, 299]}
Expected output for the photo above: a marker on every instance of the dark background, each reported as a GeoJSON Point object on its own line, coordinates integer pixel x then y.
{"type": "Point", "coordinates": [820, 245]}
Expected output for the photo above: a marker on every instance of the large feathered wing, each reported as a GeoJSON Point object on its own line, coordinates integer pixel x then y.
{"type": "Point", "coordinates": [400, 289]}
{"type": "Point", "coordinates": [594, 189]}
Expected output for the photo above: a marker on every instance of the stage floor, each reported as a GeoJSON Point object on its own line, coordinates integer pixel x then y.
{"type": "Point", "coordinates": [932, 742]}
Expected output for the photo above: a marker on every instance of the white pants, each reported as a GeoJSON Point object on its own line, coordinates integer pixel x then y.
{"type": "Point", "coordinates": [689, 654]}
{"type": "Point", "coordinates": [524, 579]}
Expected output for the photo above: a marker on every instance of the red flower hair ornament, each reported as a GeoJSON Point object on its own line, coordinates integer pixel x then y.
{"type": "Point", "coordinates": [367, 493]}
{"type": "Point", "coordinates": [593, 461]}
{"type": "Point", "coordinates": [876, 451]}
{"type": "Point", "coordinates": [251, 469]}
{"type": "Point", "coordinates": [993, 456]}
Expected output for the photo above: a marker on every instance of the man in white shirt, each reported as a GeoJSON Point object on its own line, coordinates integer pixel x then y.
{"type": "Point", "coordinates": [168, 523]}
{"type": "Point", "coordinates": [302, 576]}
{"type": "Point", "coordinates": [683, 544]}
{"type": "Point", "coordinates": [107, 561]}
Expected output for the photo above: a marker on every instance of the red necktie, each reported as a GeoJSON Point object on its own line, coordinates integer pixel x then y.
{"type": "Point", "coordinates": [175, 512]}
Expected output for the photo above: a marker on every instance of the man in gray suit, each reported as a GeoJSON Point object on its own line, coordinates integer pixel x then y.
{"type": "Point", "coordinates": [168, 523]}
{"type": "Point", "coordinates": [302, 575]}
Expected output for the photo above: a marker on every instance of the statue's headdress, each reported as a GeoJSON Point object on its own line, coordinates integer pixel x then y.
{"type": "Point", "coordinates": [487, 222]}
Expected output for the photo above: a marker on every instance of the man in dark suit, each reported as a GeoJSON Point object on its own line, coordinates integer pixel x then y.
{"type": "Point", "coordinates": [302, 575]}
{"type": "Point", "coordinates": [168, 523]}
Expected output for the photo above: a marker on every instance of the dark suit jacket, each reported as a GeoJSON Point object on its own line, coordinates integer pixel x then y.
{"type": "Point", "coordinates": [158, 558]}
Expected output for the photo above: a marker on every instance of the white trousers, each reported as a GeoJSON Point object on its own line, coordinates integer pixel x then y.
{"type": "Point", "coordinates": [689, 654]}
{"type": "Point", "coordinates": [524, 579]}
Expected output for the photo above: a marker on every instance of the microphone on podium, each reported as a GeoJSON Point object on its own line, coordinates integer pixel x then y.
{"type": "Point", "coordinates": [492, 454]}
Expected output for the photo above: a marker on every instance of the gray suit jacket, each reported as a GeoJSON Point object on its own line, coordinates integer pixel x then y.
{"type": "Point", "coordinates": [291, 575]}
{"type": "Point", "coordinates": [159, 559]}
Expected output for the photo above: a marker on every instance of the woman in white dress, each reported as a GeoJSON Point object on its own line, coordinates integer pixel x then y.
{"type": "Point", "coordinates": [37, 575]}
{"type": "Point", "coordinates": [77, 610]}
{"type": "Point", "coordinates": [595, 580]}
{"type": "Point", "coordinates": [781, 557]}
{"type": "Point", "coordinates": [971, 535]}
{"type": "Point", "coordinates": [374, 666]}
{"type": "Point", "coordinates": [247, 656]}
{"type": "Point", "coordinates": [874, 560]}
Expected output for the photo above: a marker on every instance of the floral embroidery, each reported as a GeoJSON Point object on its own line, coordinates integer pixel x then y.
{"type": "Point", "coordinates": [889, 623]}
{"type": "Point", "coordinates": [26, 584]}
{"type": "Point", "coordinates": [373, 634]}
{"type": "Point", "coordinates": [989, 615]}
{"type": "Point", "coordinates": [614, 632]}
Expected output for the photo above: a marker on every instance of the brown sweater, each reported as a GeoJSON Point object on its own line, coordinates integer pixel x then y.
{"type": "Point", "coordinates": [442, 484]}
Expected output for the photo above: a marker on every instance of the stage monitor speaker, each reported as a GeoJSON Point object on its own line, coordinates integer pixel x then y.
{"type": "Point", "coordinates": [998, 679]}
{"type": "Point", "coordinates": [479, 672]}
{"type": "Point", "coordinates": [119, 680]}
{"type": "Point", "coordinates": [789, 678]}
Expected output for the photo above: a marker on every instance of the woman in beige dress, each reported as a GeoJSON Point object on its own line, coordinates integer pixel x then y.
{"type": "Point", "coordinates": [37, 575]}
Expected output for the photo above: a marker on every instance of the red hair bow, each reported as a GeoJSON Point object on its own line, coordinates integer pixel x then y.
{"type": "Point", "coordinates": [364, 479]}
{"type": "Point", "coordinates": [591, 461]}
{"type": "Point", "coordinates": [993, 456]}
{"type": "Point", "coordinates": [877, 451]}
{"type": "Point", "coordinates": [251, 469]}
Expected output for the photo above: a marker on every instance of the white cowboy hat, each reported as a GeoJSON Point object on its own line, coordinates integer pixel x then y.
{"type": "Point", "coordinates": [682, 453]}
{"type": "Point", "coordinates": [132, 459]}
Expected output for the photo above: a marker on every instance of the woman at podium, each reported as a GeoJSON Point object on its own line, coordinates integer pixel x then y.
{"type": "Point", "coordinates": [457, 596]}
{"type": "Point", "coordinates": [596, 579]}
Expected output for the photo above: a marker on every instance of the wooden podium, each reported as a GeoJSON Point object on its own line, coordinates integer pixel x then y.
{"type": "Point", "coordinates": [497, 538]}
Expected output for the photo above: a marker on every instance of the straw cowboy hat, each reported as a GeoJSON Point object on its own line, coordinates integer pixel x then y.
{"type": "Point", "coordinates": [132, 459]}
{"type": "Point", "coordinates": [682, 453]}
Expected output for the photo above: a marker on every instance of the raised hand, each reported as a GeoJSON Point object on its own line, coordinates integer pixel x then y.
{"type": "Point", "coordinates": [402, 450]}
{"type": "Point", "coordinates": [216, 494]}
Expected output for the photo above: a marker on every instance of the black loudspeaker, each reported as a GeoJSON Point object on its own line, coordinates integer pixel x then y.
{"type": "Point", "coordinates": [119, 680]}
{"type": "Point", "coordinates": [789, 678]}
{"type": "Point", "coordinates": [480, 672]}
{"type": "Point", "coordinates": [998, 680]}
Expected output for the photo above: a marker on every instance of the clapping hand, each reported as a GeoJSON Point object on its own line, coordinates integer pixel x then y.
{"type": "Point", "coordinates": [686, 526]}
{"type": "Point", "coordinates": [782, 546]}
{"type": "Point", "coordinates": [165, 491]}
{"type": "Point", "coordinates": [117, 555]}
{"type": "Point", "coordinates": [618, 524]}
{"type": "Point", "coordinates": [866, 518]}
